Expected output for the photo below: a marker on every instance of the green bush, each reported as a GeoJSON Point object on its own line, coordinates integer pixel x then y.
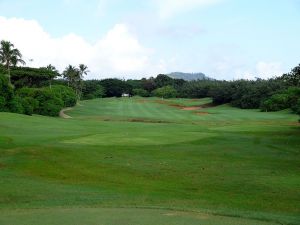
{"type": "Point", "coordinates": [2, 104]}
{"type": "Point", "coordinates": [67, 94]}
{"type": "Point", "coordinates": [140, 92]}
{"type": "Point", "coordinates": [29, 105]}
{"type": "Point", "coordinates": [287, 99]}
{"type": "Point", "coordinates": [7, 101]}
{"type": "Point", "coordinates": [89, 96]}
{"type": "Point", "coordinates": [6, 91]}
{"type": "Point", "coordinates": [296, 107]}
{"type": "Point", "coordinates": [276, 103]}
{"type": "Point", "coordinates": [46, 101]}
{"type": "Point", "coordinates": [165, 92]}
{"type": "Point", "coordinates": [51, 107]}
{"type": "Point", "coordinates": [15, 105]}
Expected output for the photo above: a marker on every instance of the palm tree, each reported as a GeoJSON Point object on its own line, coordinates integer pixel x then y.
{"type": "Point", "coordinates": [52, 69]}
{"type": "Point", "coordinates": [70, 74]}
{"type": "Point", "coordinates": [9, 56]}
{"type": "Point", "coordinates": [83, 69]}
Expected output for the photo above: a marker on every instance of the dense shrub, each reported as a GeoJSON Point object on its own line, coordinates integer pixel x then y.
{"type": "Point", "coordinates": [296, 107]}
{"type": "Point", "coordinates": [47, 101]}
{"type": "Point", "coordinates": [275, 103]}
{"type": "Point", "coordinates": [286, 99]}
{"type": "Point", "coordinates": [29, 105]}
{"type": "Point", "coordinates": [140, 92]}
{"type": "Point", "coordinates": [67, 94]}
{"type": "Point", "coordinates": [2, 104]}
{"type": "Point", "coordinates": [51, 107]}
{"type": "Point", "coordinates": [165, 92]}
{"type": "Point", "coordinates": [6, 94]}
{"type": "Point", "coordinates": [6, 90]}
{"type": "Point", "coordinates": [15, 105]}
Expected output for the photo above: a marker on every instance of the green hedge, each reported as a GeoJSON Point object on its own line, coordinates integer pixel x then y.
{"type": "Point", "coordinates": [47, 101]}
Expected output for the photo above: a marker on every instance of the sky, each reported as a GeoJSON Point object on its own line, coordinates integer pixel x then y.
{"type": "Point", "coordinates": [225, 39]}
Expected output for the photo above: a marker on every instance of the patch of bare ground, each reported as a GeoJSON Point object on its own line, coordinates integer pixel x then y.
{"type": "Point", "coordinates": [139, 120]}
{"type": "Point", "coordinates": [169, 104]}
{"type": "Point", "coordinates": [295, 124]}
{"type": "Point", "coordinates": [202, 113]}
{"type": "Point", "coordinates": [182, 107]}
{"type": "Point", "coordinates": [191, 108]}
{"type": "Point", "coordinates": [134, 120]}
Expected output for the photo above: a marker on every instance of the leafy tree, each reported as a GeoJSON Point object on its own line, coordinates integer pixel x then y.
{"type": "Point", "coordinates": [165, 92]}
{"type": "Point", "coordinates": [30, 77]}
{"type": "Point", "coordinates": [92, 89]}
{"type": "Point", "coordinates": [114, 87]}
{"type": "Point", "coordinates": [9, 56]}
{"type": "Point", "coordinates": [293, 78]}
{"type": "Point", "coordinates": [163, 80]}
{"type": "Point", "coordinates": [148, 84]}
{"type": "Point", "coordinates": [141, 92]}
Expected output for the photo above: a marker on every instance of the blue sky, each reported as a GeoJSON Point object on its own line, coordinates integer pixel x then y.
{"type": "Point", "coordinates": [226, 39]}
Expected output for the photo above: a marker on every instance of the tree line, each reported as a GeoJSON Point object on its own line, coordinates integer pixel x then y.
{"type": "Point", "coordinates": [45, 91]}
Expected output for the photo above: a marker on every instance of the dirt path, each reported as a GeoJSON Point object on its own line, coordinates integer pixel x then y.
{"type": "Point", "coordinates": [63, 115]}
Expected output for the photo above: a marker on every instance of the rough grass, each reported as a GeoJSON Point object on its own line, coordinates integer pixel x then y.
{"type": "Point", "coordinates": [141, 153]}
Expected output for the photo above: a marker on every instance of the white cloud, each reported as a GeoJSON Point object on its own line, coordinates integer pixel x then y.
{"type": "Point", "coordinates": [263, 70]}
{"type": "Point", "coordinates": [117, 53]}
{"type": "Point", "coordinates": [269, 69]}
{"type": "Point", "coordinates": [169, 8]}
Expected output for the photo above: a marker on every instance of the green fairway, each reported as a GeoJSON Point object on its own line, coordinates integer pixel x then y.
{"type": "Point", "coordinates": [122, 216]}
{"type": "Point", "coordinates": [141, 161]}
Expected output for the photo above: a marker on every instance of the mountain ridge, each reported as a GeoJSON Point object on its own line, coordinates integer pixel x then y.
{"type": "Point", "coordinates": [188, 76]}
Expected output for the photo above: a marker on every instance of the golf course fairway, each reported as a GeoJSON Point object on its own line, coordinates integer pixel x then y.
{"type": "Point", "coordinates": [146, 161]}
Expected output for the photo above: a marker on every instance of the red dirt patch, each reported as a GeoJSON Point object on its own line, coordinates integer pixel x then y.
{"type": "Point", "coordinates": [202, 113]}
{"type": "Point", "coordinates": [191, 108]}
{"type": "Point", "coordinates": [168, 103]}
{"type": "Point", "coordinates": [182, 107]}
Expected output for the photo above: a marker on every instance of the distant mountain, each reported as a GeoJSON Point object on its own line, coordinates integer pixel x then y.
{"type": "Point", "coordinates": [188, 76]}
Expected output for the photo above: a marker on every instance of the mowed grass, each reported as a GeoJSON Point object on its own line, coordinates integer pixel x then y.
{"type": "Point", "coordinates": [143, 161]}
